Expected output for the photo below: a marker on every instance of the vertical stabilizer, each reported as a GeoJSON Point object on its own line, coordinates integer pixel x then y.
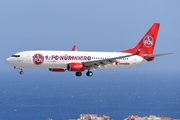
{"type": "Point", "coordinates": [147, 43]}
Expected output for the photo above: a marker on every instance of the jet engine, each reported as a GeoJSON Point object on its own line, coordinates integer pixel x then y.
{"type": "Point", "coordinates": [57, 70]}
{"type": "Point", "coordinates": [76, 67]}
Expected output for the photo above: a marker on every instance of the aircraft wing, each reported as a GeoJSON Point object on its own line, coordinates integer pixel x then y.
{"type": "Point", "coordinates": [98, 63]}
{"type": "Point", "coordinates": [104, 62]}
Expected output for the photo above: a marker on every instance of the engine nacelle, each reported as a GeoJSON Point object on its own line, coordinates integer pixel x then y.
{"type": "Point", "coordinates": [57, 70]}
{"type": "Point", "coordinates": [76, 67]}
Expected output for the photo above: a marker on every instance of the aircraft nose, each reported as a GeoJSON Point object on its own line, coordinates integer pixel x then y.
{"type": "Point", "coordinates": [8, 60]}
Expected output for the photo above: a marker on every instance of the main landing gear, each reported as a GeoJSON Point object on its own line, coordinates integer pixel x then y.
{"type": "Point", "coordinates": [78, 74]}
{"type": "Point", "coordinates": [89, 73]}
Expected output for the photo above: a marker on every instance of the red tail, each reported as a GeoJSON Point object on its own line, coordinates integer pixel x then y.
{"type": "Point", "coordinates": [147, 43]}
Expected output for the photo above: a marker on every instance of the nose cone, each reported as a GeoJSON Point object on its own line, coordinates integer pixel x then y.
{"type": "Point", "coordinates": [8, 61]}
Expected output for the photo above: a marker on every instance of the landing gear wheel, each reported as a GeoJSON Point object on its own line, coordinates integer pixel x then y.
{"type": "Point", "coordinates": [21, 72]}
{"type": "Point", "coordinates": [89, 73]}
{"type": "Point", "coordinates": [78, 74]}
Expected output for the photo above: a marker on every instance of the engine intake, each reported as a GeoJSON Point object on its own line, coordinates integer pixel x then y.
{"type": "Point", "coordinates": [76, 67]}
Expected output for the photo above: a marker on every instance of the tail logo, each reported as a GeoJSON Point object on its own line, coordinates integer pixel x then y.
{"type": "Point", "coordinates": [148, 41]}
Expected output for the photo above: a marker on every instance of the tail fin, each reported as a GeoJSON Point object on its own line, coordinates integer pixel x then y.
{"type": "Point", "coordinates": [147, 43]}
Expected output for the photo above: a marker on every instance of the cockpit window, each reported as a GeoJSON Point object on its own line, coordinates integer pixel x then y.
{"type": "Point", "coordinates": [15, 56]}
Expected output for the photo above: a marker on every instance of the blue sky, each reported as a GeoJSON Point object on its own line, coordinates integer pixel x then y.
{"type": "Point", "coordinates": [91, 26]}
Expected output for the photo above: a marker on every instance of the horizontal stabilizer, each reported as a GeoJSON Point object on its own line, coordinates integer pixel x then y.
{"type": "Point", "coordinates": [150, 56]}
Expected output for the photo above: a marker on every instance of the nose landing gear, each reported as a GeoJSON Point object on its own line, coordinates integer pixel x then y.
{"type": "Point", "coordinates": [21, 72]}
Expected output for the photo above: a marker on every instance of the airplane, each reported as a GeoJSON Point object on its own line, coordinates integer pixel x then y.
{"type": "Point", "coordinates": [79, 61]}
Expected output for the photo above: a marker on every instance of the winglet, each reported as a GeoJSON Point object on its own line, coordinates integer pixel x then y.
{"type": "Point", "coordinates": [73, 49]}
